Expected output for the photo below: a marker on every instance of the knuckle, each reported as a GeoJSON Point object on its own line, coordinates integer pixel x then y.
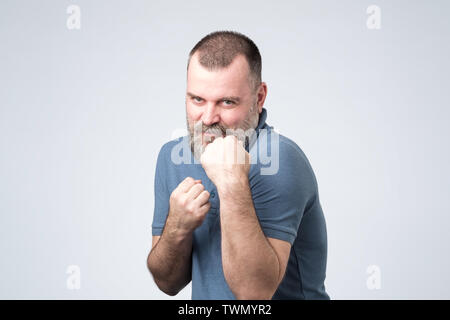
{"type": "Point", "coordinates": [200, 214]}
{"type": "Point", "coordinates": [175, 196]}
{"type": "Point", "coordinates": [183, 201]}
{"type": "Point", "coordinates": [206, 210]}
{"type": "Point", "coordinates": [206, 206]}
{"type": "Point", "coordinates": [190, 208]}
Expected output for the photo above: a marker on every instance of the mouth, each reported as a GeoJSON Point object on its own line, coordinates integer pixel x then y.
{"type": "Point", "coordinates": [209, 134]}
{"type": "Point", "coordinates": [209, 137]}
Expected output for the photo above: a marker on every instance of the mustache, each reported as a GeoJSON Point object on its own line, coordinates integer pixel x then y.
{"type": "Point", "coordinates": [214, 129]}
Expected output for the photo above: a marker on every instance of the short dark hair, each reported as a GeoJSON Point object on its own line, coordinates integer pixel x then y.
{"type": "Point", "coordinates": [218, 49]}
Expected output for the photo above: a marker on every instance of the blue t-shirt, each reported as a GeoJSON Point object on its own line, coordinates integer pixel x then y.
{"type": "Point", "coordinates": [286, 200]}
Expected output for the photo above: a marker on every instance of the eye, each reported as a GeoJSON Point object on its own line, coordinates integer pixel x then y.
{"type": "Point", "coordinates": [197, 99]}
{"type": "Point", "coordinates": [228, 102]}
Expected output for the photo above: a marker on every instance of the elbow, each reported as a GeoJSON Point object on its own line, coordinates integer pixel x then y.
{"type": "Point", "coordinates": [255, 293]}
{"type": "Point", "coordinates": [246, 289]}
{"type": "Point", "coordinates": [164, 286]}
{"type": "Point", "coordinates": [167, 289]}
{"type": "Point", "coordinates": [251, 290]}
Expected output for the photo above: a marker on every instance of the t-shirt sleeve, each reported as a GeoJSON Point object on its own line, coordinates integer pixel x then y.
{"type": "Point", "coordinates": [281, 199]}
{"type": "Point", "coordinates": [161, 194]}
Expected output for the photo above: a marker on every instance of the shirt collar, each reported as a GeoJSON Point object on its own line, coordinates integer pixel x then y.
{"type": "Point", "coordinates": [261, 125]}
{"type": "Point", "coordinates": [262, 119]}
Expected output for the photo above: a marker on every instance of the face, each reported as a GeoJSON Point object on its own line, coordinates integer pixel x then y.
{"type": "Point", "coordinates": [219, 100]}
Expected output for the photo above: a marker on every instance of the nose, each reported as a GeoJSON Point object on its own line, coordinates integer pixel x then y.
{"type": "Point", "coordinates": [210, 115]}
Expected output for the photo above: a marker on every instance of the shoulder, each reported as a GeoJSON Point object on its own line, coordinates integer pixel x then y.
{"type": "Point", "coordinates": [293, 157]}
{"type": "Point", "coordinates": [290, 167]}
{"type": "Point", "coordinates": [167, 147]}
{"type": "Point", "coordinates": [165, 151]}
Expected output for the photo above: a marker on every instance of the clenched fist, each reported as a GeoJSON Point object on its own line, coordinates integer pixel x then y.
{"type": "Point", "coordinates": [189, 204]}
{"type": "Point", "coordinates": [226, 161]}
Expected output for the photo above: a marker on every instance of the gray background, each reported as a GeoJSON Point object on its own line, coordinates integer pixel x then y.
{"type": "Point", "coordinates": [83, 114]}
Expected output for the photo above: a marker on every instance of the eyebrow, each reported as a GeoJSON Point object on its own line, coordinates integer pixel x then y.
{"type": "Point", "coordinates": [237, 99]}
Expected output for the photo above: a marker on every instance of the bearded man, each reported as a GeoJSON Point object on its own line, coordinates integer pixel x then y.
{"type": "Point", "coordinates": [234, 228]}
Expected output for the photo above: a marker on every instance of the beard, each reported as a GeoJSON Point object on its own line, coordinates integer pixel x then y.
{"type": "Point", "coordinates": [198, 129]}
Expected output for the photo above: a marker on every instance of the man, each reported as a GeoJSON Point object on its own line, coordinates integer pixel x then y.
{"type": "Point", "coordinates": [235, 231]}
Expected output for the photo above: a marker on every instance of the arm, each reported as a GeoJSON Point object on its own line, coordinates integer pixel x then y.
{"type": "Point", "coordinates": [169, 261]}
{"type": "Point", "coordinates": [253, 264]}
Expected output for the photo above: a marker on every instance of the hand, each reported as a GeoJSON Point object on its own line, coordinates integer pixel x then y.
{"type": "Point", "coordinates": [189, 204]}
{"type": "Point", "coordinates": [226, 161]}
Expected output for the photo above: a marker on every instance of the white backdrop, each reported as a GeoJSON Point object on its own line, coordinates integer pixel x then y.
{"type": "Point", "coordinates": [83, 113]}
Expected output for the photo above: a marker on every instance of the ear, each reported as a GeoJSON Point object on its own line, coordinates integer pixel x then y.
{"type": "Point", "coordinates": [262, 94]}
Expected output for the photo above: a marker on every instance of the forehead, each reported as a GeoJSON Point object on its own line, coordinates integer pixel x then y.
{"type": "Point", "coordinates": [232, 80]}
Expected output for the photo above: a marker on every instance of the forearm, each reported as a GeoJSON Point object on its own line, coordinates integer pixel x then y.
{"type": "Point", "coordinates": [250, 264]}
{"type": "Point", "coordinates": [170, 260]}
